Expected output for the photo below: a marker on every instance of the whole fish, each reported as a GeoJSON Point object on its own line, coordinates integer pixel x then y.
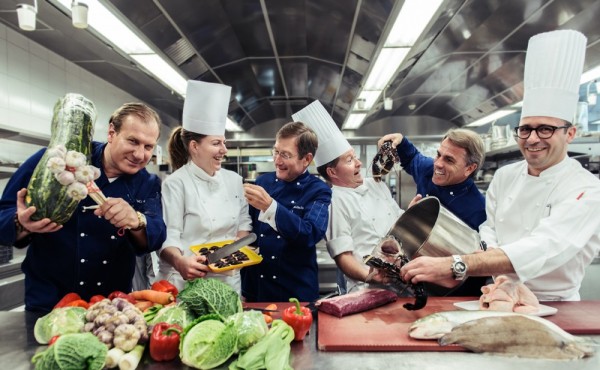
{"type": "Point", "coordinates": [434, 326]}
{"type": "Point", "coordinates": [519, 336]}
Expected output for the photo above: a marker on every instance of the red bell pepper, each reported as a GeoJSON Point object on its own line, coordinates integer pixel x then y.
{"type": "Point", "coordinates": [165, 286]}
{"type": "Point", "coordinates": [164, 341]}
{"type": "Point", "coordinates": [68, 298]}
{"type": "Point", "coordinates": [78, 303]}
{"type": "Point", "coordinates": [299, 318]}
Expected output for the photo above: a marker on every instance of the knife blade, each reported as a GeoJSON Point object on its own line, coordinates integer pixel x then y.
{"type": "Point", "coordinates": [230, 248]}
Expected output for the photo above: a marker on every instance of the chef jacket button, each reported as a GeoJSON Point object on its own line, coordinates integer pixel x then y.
{"type": "Point", "coordinates": [262, 235]}
{"type": "Point", "coordinates": [527, 229]}
{"type": "Point", "coordinates": [261, 276]}
{"type": "Point", "coordinates": [501, 220]}
{"type": "Point", "coordinates": [451, 193]}
{"type": "Point", "coordinates": [81, 283]}
{"type": "Point", "coordinates": [293, 202]}
{"type": "Point", "coordinates": [274, 277]}
{"type": "Point", "coordinates": [276, 180]}
{"type": "Point", "coordinates": [82, 235]}
{"type": "Point", "coordinates": [278, 236]}
{"type": "Point", "coordinates": [104, 262]}
{"type": "Point", "coordinates": [99, 283]}
{"type": "Point", "coordinates": [537, 204]}
{"type": "Point", "coordinates": [272, 257]}
{"type": "Point", "coordinates": [298, 183]}
{"type": "Point", "coordinates": [82, 260]}
{"type": "Point", "coordinates": [113, 237]}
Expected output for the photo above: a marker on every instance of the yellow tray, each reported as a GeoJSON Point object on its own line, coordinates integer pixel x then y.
{"type": "Point", "coordinates": [253, 258]}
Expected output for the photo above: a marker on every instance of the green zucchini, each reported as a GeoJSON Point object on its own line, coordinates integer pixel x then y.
{"type": "Point", "coordinates": [72, 126]}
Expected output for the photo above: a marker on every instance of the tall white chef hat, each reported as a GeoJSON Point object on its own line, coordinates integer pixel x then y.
{"type": "Point", "coordinates": [332, 142]}
{"type": "Point", "coordinates": [205, 108]}
{"type": "Point", "coordinates": [553, 67]}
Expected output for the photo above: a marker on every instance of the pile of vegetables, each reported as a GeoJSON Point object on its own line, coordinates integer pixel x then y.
{"type": "Point", "coordinates": [205, 328]}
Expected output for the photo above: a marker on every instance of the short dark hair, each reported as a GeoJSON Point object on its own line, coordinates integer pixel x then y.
{"type": "Point", "coordinates": [306, 141]}
{"type": "Point", "coordinates": [140, 110]}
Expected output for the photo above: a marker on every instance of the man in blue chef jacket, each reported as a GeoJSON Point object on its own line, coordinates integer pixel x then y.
{"type": "Point", "coordinates": [449, 177]}
{"type": "Point", "coordinates": [94, 251]}
{"type": "Point", "coordinates": [289, 211]}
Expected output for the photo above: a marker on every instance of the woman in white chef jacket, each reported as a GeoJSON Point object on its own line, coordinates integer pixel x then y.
{"type": "Point", "coordinates": [202, 202]}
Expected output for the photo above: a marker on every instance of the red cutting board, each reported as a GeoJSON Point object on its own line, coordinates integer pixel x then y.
{"type": "Point", "coordinates": [386, 328]}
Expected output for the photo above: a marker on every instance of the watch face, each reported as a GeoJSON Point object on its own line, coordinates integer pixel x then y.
{"type": "Point", "coordinates": [459, 267]}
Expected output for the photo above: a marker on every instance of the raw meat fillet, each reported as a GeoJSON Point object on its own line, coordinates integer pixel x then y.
{"type": "Point", "coordinates": [360, 301]}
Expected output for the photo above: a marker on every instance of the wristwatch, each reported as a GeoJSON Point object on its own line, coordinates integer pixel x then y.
{"type": "Point", "coordinates": [142, 221]}
{"type": "Point", "coordinates": [459, 268]}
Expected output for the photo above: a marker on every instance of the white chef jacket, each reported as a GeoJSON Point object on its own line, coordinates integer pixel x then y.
{"type": "Point", "coordinates": [200, 209]}
{"type": "Point", "coordinates": [358, 220]}
{"type": "Point", "coordinates": [548, 226]}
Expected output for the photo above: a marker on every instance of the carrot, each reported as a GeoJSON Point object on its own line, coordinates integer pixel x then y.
{"type": "Point", "coordinates": [144, 305]}
{"type": "Point", "coordinates": [268, 318]}
{"type": "Point", "coordinates": [271, 306]}
{"type": "Point", "coordinates": [153, 296]}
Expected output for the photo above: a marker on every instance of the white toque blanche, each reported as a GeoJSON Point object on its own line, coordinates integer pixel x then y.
{"type": "Point", "coordinates": [205, 108]}
{"type": "Point", "coordinates": [553, 67]}
{"type": "Point", "coordinates": [332, 142]}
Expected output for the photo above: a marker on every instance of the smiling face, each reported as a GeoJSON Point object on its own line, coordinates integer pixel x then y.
{"type": "Point", "coordinates": [289, 169]}
{"type": "Point", "coordinates": [129, 150]}
{"type": "Point", "coordinates": [208, 153]}
{"type": "Point", "coordinates": [450, 166]}
{"type": "Point", "coordinates": [346, 172]}
{"type": "Point", "coordinates": [542, 154]}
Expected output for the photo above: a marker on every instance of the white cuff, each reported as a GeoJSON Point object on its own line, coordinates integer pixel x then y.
{"type": "Point", "coordinates": [268, 216]}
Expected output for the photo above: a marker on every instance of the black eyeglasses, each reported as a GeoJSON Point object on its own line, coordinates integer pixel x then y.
{"type": "Point", "coordinates": [543, 131]}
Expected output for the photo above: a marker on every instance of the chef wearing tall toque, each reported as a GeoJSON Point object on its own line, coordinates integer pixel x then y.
{"type": "Point", "coordinates": [362, 210]}
{"type": "Point", "coordinates": [543, 213]}
{"type": "Point", "coordinates": [202, 202]}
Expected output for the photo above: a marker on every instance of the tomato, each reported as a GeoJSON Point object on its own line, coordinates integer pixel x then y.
{"type": "Point", "coordinates": [52, 340]}
{"type": "Point", "coordinates": [119, 294]}
{"type": "Point", "coordinates": [96, 298]}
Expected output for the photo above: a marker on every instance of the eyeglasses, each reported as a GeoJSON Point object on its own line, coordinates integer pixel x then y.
{"type": "Point", "coordinates": [284, 155]}
{"type": "Point", "coordinates": [543, 131]}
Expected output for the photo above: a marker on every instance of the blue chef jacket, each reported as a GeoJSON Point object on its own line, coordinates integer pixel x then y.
{"type": "Point", "coordinates": [464, 199]}
{"type": "Point", "coordinates": [86, 256]}
{"type": "Point", "coordinates": [289, 266]}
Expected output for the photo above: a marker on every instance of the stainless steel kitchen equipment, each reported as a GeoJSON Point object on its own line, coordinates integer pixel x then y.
{"type": "Point", "coordinates": [429, 229]}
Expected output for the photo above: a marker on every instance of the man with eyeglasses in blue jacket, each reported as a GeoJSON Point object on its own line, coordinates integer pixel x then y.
{"type": "Point", "coordinates": [289, 211]}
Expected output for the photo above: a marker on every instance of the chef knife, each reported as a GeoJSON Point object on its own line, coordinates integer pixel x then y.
{"type": "Point", "coordinates": [230, 248]}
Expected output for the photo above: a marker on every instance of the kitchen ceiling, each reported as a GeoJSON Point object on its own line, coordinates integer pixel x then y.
{"type": "Point", "coordinates": [280, 55]}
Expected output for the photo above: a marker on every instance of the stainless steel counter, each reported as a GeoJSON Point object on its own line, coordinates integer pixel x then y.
{"type": "Point", "coordinates": [17, 346]}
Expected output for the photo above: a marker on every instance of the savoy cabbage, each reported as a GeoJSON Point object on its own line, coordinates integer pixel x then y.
{"type": "Point", "coordinates": [206, 296]}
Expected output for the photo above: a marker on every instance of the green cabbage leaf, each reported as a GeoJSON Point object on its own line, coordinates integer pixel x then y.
{"type": "Point", "coordinates": [73, 351]}
{"type": "Point", "coordinates": [206, 296]}
{"type": "Point", "coordinates": [59, 321]}
{"type": "Point", "coordinates": [209, 343]}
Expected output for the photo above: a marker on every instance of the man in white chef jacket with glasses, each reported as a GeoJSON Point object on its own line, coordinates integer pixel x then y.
{"type": "Point", "coordinates": [543, 213]}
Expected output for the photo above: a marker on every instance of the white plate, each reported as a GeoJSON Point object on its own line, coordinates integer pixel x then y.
{"type": "Point", "coordinates": [474, 306]}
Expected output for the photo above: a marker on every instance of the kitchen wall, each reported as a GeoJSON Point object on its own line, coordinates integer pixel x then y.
{"type": "Point", "coordinates": [32, 79]}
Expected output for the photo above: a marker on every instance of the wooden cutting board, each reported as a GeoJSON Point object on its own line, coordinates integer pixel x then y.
{"type": "Point", "coordinates": [386, 328]}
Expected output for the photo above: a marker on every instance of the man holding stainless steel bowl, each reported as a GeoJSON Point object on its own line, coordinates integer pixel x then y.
{"type": "Point", "coordinates": [543, 213]}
